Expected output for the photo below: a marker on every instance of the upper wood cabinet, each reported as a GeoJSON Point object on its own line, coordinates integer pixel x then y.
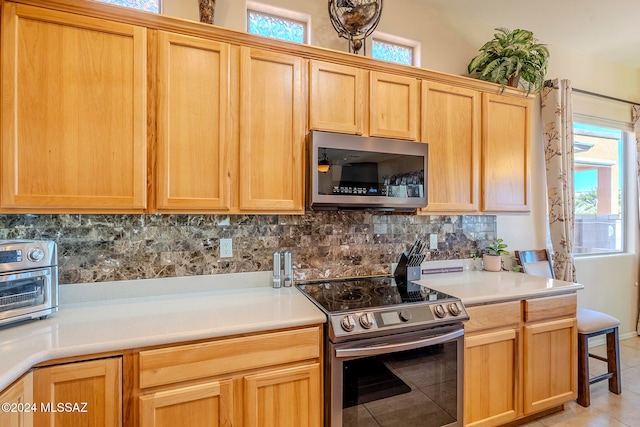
{"type": "Point", "coordinates": [193, 154]}
{"type": "Point", "coordinates": [337, 98]}
{"type": "Point", "coordinates": [272, 131]}
{"type": "Point", "coordinates": [451, 126]}
{"type": "Point", "coordinates": [394, 106]}
{"type": "Point", "coordinates": [74, 132]}
{"type": "Point", "coordinates": [98, 383]}
{"type": "Point", "coordinates": [353, 100]}
{"type": "Point", "coordinates": [506, 132]}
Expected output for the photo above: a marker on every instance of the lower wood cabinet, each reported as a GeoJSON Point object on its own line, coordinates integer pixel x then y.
{"type": "Point", "coordinates": [18, 396]}
{"type": "Point", "coordinates": [520, 359]}
{"type": "Point", "coordinates": [82, 394]}
{"type": "Point", "coordinates": [268, 379]}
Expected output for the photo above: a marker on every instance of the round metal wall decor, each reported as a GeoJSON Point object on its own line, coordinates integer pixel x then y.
{"type": "Point", "coordinates": [355, 20]}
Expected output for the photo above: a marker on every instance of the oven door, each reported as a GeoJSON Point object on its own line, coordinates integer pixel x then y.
{"type": "Point", "coordinates": [413, 378]}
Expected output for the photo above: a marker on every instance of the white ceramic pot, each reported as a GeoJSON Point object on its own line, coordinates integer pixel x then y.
{"type": "Point", "coordinates": [492, 262]}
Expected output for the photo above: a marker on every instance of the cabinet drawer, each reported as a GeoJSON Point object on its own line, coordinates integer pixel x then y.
{"type": "Point", "coordinates": [193, 361]}
{"type": "Point", "coordinates": [550, 307]}
{"type": "Point", "coordinates": [492, 316]}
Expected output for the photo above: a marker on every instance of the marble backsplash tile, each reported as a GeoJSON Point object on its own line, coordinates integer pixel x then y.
{"type": "Point", "coordinates": [95, 248]}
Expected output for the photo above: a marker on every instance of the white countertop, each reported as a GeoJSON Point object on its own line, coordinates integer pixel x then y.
{"type": "Point", "coordinates": [88, 327]}
{"type": "Point", "coordinates": [481, 287]}
{"type": "Point", "coordinates": [114, 316]}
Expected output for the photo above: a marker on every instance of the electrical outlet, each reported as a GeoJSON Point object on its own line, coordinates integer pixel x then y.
{"type": "Point", "coordinates": [433, 241]}
{"type": "Point", "coordinates": [226, 248]}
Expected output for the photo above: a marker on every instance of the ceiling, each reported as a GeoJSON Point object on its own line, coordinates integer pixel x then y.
{"type": "Point", "coordinates": [601, 28]}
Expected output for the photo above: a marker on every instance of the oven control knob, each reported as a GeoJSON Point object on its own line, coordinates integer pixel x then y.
{"type": "Point", "coordinates": [35, 254]}
{"type": "Point", "coordinates": [454, 309]}
{"type": "Point", "coordinates": [366, 320]}
{"type": "Point", "coordinates": [348, 323]}
{"type": "Point", "coordinates": [405, 315]}
{"type": "Point", "coordinates": [439, 311]}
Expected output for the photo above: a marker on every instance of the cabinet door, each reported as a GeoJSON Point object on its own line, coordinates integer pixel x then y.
{"type": "Point", "coordinates": [491, 364]}
{"type": "Point", "coordinates": [393, 106]}
{"type": "Point", "coordinates": [451, 127]}
{"type": "Point", "coordinates": [337, 98]}
{"type": "Point", "coordinates": [193, 94]}
{"type": "Point", "coordinates": [272, 132]}
{"type": "Point", "coordinates": [209, 404]}
{"type": "Point", "coordinates": [93, 389]}
{"type": "Point", "coordinates": [550, 364]}
{"type": "Point", "coordinates": [73, 112]}
{"type": "Point", "coordinates": [506, 132]}
{"type": "Point", "coordinates": [288, 397]}
{"type": "Point", "coordinates": [20, 393]}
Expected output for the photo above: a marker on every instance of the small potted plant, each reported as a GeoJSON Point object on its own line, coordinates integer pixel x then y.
{"type": "Point", "coordinates": [492, 257]}
{"type": "Point", "coordinates": [512, 58]}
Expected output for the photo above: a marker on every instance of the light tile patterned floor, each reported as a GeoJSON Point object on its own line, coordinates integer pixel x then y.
{"type": "Point", "coordinates": [607, 409]}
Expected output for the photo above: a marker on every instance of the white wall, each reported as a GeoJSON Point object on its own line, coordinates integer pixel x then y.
{"type": "Point", "coordinates": [448, 44]}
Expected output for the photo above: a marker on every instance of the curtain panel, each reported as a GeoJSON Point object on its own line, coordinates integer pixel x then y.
{"type": "Point", "coordinates": [557, 127]}
{"type": "Point", "coordinates": [636, 130]}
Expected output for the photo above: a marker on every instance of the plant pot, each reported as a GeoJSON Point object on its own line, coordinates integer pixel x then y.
{"type": "Point", "coordinates": [492, 262]}
{"type": "Point", "coordinates": [513, 80]}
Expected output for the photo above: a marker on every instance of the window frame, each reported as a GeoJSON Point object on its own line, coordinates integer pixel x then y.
{"type": "Point", "coordinates": [627, 174]}
{"type": "Point", "coordinates": [387, 38]}
{"type": "Point", "coordinates": [159, 12]}
{"type": "Point", "coordinates": [280, 13]}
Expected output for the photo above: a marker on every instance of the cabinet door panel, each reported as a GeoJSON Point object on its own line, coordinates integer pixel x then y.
{"type": "Point", "coordinates": [451, 127]}
{"type": "Point", "coordinates": [491, 364]}
{"type": "Point", "coordinates": [193, 92]}
{"type": "Point", "coordinates": [21, 393]}
{"type": "Point", "coordinates": [97, 382]}
{"type": "Point", "coordinates": [337, 97]}
{"type": "Point", "coordinates": [74, 112]}
{"type": "Point", "coordinates": [394, 106]}
{"type": "Point", "coordinates": [505, 153]}
{"type": "Point", "coordinates": [271, 132]}
{"type": "Point", "coordinates": [288, 397]}
{"type": "Point", "coordinates": [209, 404]}
{"type": "Point", "coordinates": [550, 364]}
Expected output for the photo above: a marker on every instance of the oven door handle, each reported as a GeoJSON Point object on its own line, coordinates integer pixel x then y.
{"type": "Point", "coordinates": [376, 350]}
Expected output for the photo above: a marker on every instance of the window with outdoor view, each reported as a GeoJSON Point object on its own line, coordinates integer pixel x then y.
{"type": "Point", "coordinates": [598, 186]}
{"type": "Point", "coordinates": [277, 27]}
{"type": "Point", "coordinates": [146, 5]}
{"type": "Point", "coordinates": [392, 52]}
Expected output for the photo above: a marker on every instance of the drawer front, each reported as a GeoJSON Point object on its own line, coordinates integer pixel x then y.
{"type": "Point", "coordinates": [492, 316]}
{"type": "Point", "coordinates": [194, 361]}
{"type": "Point", "coordinates": [550, 307]}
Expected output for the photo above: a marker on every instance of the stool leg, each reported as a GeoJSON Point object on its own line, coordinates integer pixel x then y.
{"type": "Point", "coordinates": [613, 361]}
{"type": "Point", "coordinates": [584, 397]}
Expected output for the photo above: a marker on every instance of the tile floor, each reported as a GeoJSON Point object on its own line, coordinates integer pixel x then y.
{"type": "Point", "coordinates": [607, 409]}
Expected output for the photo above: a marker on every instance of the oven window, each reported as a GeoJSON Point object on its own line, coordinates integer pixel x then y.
{"type": "Point", "coordinates": [22, 293]}
{"type": "Point", "coordinates": [415, 387]}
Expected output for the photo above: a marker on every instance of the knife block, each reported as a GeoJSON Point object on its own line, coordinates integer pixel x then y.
{"type": "Point", "coordinates": [403, 274]}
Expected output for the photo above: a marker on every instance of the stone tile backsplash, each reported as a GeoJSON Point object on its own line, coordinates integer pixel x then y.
{"type": "Point", "coordinates": [95, 248]}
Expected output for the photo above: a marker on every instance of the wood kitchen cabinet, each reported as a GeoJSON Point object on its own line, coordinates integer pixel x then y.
{"type": "Point", "coordinates": [74, 116]}
{"type": "Point", "coordinates": [193, 146]}
{"type": "Point", "coordinates": [264, 379]}
{"type": "Point", "coordinates": [353, 100]}
{"type": "Point", "coordinates": [272, 131]}
{"type": "Point", "coordinates": [19, 393]}
{"type": "Point", "coordinates": [92, 388]}
{"type": "Point", "coordinates": [505, 170]}
{"type": "Point", "coordinates": [520, 359]}
{"type": "Point", "coordinates": [451, 126]}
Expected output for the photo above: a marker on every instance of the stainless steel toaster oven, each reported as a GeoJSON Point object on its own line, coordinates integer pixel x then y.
{"type": "Point", "coordinates": [28, 280]}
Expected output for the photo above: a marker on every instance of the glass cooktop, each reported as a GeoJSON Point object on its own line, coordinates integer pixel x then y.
{"type": "Point", "coordinates": [338, 295]}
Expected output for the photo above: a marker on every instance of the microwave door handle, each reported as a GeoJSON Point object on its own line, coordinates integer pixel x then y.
{"type": "Point", "coordinates": [389, 348]}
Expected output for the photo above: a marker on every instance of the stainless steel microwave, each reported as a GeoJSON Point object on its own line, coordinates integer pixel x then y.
{"type": "Point", "coordinates": [358, 172]}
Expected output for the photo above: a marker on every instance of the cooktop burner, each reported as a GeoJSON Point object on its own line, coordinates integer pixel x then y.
{"type": "Point", "coordinates": [369, 292]}
{"type": "Point", "coordinates": [360, 307]}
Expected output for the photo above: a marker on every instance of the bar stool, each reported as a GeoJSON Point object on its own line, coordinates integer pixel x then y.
{"type": "Point", "coordinates": [593, 323]}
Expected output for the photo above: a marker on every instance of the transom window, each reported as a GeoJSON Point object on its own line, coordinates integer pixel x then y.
{"type": "Point", "coordinates": [598, 186]}
{"type": "Point", "coordinates": [392, 52]}
{"type": "Point", "coordinates": [146, 5]}
{"type": "Point", "coordinates": [277, 23]}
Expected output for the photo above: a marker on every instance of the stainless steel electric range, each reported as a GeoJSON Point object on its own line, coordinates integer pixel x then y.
{"type": "Point", "coordinates": [394, 352]}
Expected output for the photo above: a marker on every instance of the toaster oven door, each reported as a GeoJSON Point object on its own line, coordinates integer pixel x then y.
{"type": "Point", "coordinates": [27, 294]}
